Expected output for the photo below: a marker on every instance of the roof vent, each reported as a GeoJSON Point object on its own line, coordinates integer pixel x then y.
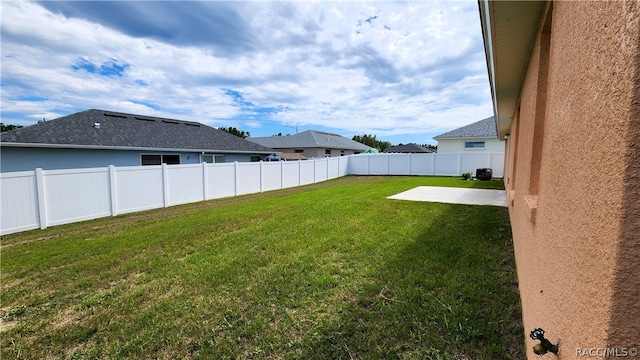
{"type": "Point", "coordinates": [116, 115]}
{"type": "Point", "coordinates": [144, 118]}
{"type": "Point", "coordinates": [96, 125]}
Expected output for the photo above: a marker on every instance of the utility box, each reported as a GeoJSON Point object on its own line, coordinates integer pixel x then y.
{"type": "Point", "coordinates": [484, 174]}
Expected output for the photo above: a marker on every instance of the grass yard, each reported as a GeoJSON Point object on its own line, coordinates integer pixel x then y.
{"type": "Point", "coordinates": [328, 271]}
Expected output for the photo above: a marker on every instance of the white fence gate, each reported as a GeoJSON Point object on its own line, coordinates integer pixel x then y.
{"type": "Point", "coordinates": [42, 198]}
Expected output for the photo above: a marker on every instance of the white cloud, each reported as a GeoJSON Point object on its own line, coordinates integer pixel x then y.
{"type": "Point", "coordinates": [381, 67]}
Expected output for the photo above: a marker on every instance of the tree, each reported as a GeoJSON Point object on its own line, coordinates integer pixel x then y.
{"type": "Point", "coordinates": [372, 141]}
{"type": "Point", "coordinates": [236, 132]}
{"type": "Point", "coordinates": [4, 127]}
{"type": "Point", "coordinates": [429, 146]}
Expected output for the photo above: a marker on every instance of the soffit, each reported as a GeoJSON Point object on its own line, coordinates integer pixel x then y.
{"type": "Point", "coordinates": [509, 36]}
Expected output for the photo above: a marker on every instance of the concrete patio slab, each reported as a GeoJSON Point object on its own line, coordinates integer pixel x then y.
{"type": "Point", "coordinates": [452, 195]}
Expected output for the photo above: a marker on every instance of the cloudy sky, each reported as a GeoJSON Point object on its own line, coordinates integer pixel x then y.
{"type": "Point", "coordinates": [403, 71]}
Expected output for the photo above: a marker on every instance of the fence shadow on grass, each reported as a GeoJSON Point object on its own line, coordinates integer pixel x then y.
{"type": "Point", "coordinates": [449, 294]}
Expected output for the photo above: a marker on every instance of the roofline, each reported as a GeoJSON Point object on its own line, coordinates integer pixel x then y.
{"type": "Point", "coordinates": [465, 137]}
{"type": "Point", "coordinates": [321, 147]}
{"type": "Point", "coordinates": [514, 25]}
{"type": "Point", "coordinates": [128, 148]}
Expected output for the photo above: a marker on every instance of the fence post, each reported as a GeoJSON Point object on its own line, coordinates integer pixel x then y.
{"type": "Point", "coordinates": [328, 168]}
{"type": "Point", "coordinates": [281, 174]}
{"type": "Point", "coordinates": [299, 172]}
{"type": "Point", "coordinates": [261, 176]}
{"type": "Point", "coordinates": [236, 179]}
{"type": "Point", "coordinates": [459, 163]}
{"type": "Point", "coordinates": [433, 163]}
{"type": "Point", "coordinates": [113, 190]}
{"type": "Point", "coordinates": [165, 185]}
{"type": "Point", "coordinates": [205, 182]}
{"type": "Point", "coordinates": [42, 210]}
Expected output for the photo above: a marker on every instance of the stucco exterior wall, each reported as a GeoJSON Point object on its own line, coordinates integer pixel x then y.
{"type": "Point", "coordinates": [573, 178]}
{"type": "Point", "coordinates": [457, 145]}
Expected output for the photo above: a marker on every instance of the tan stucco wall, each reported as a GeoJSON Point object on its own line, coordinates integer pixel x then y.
{"type": "Point", "coordinates": [574, 181]}
{"type": "Point", "coordinates": [457, 145]}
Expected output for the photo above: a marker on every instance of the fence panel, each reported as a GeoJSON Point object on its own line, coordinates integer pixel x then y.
{"type": "Point", "coordinates": [307, 172]}
{"type": "Point", "coordinates": [248, 178]}
{"type": "Point", "coordinates": [76, 195]}
{"type": "Point", "coordinates": [343, 166]}
{"type": "Point", "coordinates": [447, 164]}
{"type": "Point", "coordinates": [184, 184]}
{"type": "Point", "coordinates": [399, 164]}
{"type": "Point", "coordinates": [497, 164]}
{"type": "Point", "coordinates": [471, 162]}
{"type": "Point", "coordinates": [19, 194]}
{"type": "Point", "coordinates": [321, 171]}
{"type": "Point", "coordinates": [358, 165]}
{"type": "Point", "coordinates": [333, 167]}
{"type": "Point", "coordinates": [422, 164]}
{"type": "Point", "coordinates": [291, 172]}
{"type": "Point", "coordinates": [378, 164]}
{"type": "Point", "coordinates": [139, 188]}
{"type": "Point", "coordinates": [272, 175]}
{"type": "Point", "coordinates": [222, 180]}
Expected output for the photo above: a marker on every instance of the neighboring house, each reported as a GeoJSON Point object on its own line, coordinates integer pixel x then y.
{"type": "Point", "coordinates": [312, 144]}
{"type": "Point", "coordinates": [479, 136]}
{"type": "Point", "coordinates": [281, 156]}
{"type": "Point", "coordinates": [96, 138]}
{"type": "Point", "coordinates": [565, 81]}
{"type": "Point", "coordinates": [408, 149]}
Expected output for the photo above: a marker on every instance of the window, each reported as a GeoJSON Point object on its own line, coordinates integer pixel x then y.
{"type": "Point", "coordinates": [298, 151]}
{"type": "Point", "coordinates": [151, 160]}
{"type": "Point", "coordinates": [160, 159]}
{"type": "Point", "coordinates": [327, 153]}
{"type": "Point", "coordinates": [212, 158]}
{"type": "Point", "coordinates": [474, 144]}
{"type": "Point", "coordinates": [254, 158]}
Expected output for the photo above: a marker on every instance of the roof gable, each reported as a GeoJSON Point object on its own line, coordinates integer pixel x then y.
{"type": "Point", "coordinates": [99, 128]}
{"type": "Point", "coordinates": [485, 128]}
{"type": "Point", "coordinates": [310, 139]}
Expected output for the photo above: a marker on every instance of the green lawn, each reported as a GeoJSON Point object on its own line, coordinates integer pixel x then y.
{"type": "Point", "coordinates": [328, 271]}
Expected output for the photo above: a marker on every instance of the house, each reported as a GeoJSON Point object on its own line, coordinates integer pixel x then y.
{"type": "Point", "coordinates": [97, 138]}
{"type": "Point", "coordinates": [408, 149]}
{"type": "Point", "coordinates": [282, 156]}
{"type": "Point", "coordinates": [565, 82]}
{"type": "Point", "coordinates": [479, 136]}
{"type": "Point", "coordinates": [312, 143]}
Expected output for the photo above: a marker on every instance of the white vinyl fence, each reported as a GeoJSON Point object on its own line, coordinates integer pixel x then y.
{"type": "Point", "coordinates": [42, 198]}
{"type": "Point", "coordinates": [453, 164]}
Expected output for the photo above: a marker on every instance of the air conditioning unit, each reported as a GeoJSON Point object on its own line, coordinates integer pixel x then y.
{"type": "Point", "coordinates": [484, 174]}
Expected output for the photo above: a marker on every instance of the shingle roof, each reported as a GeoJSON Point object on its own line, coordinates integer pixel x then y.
{"type": "Point", "coordinates": [130, 131]}
{"type": "Point", "coordinates": [408, 148]}
{"type": "Point", "coordinates": [485, 128]}
{"type": "Point", "coordinates": [310, 139]}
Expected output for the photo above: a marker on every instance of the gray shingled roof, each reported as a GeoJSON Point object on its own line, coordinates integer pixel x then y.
{"type": "Point", "coordinates": [130, 131]}
{"type": "Point", "coordinates": [310, 139]}
{"type": "Point", "coordinates": [485, 128]}
{"type": "Point", "coordinates": [408, 148]}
